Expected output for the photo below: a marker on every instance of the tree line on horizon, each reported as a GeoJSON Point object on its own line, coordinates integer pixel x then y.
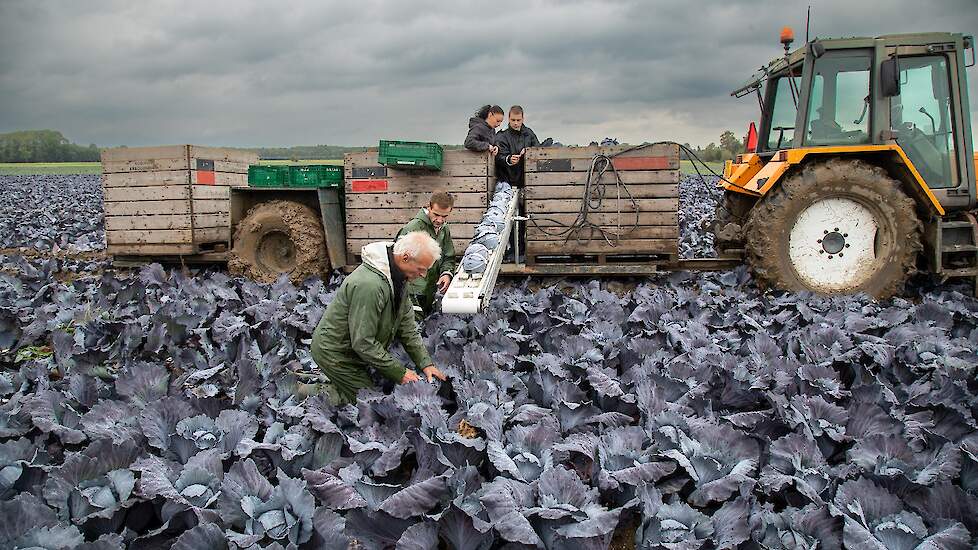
{"type": "Point", "coordinates": [52, 146]}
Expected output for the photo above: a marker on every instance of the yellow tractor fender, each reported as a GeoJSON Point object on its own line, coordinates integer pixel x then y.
{"type": "Point", "coordinates": [753, 177]}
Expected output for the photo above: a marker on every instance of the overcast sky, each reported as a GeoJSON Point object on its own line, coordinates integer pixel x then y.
{"type": "Point", "coordinates": [250, 73]}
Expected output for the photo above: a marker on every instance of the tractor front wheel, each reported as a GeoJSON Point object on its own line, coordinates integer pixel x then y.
{"type": "Point", "coordinates": [838, 227]}
{"type": "Point", "coordinates": [279, 237]}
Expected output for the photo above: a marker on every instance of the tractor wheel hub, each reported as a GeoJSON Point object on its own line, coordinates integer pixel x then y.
{"type": "Point", "coordinates": [832, 245]}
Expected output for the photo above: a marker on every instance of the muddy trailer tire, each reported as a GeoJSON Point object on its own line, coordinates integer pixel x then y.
{"type": "Point", "coordinates": [837, 227]}
{"type": "Point", "coordinates": [279, 237]}
{"type": "Point", "coordinates": [729, 220]}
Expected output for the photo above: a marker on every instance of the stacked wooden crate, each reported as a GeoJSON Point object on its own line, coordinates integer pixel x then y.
{"type": "Point", "coordinates": [637, 230]}
{"type": "Point", "coordinates": [380, 200]}
{"type": "Point", "coordinates": [171, 200]}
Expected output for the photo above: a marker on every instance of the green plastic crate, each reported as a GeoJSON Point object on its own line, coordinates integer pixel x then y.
{"type": "Point", "coordinates": [315, 175]}
{"type": "Point", "coordinates": [267, 176]}
{"type": "Point", "coordinates": [410, 154]}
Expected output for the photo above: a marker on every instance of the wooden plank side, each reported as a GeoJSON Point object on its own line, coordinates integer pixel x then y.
{"type": "Point", "coordinates": [211, 192]}
{"type": "Point", "coordinates": [149, 165]}
{"type": "Point", "coordinates": [152, 236]}
{"type": "Point", "coordinates": [170, 177]}
{"type": "Point", "coordinates": [661, 150]}
{"type": "Point", "coordinates": [637, 246]}
{"type": "Point", "coordinates": [609, 206]}
{"type": "Point", "coordinates": [454, 171]}
{"type": "Point", "coordinates": [540, 166]}
{"type": "Point", "coordinates": [644, 218]}
{"type": "Point", "coordinates": [166, 221]}
{"type": "Point", "coordinates": [223, 156]}
{"type": "Point", "coordinates": [386, 230]}
{"type": "Point", "coordinates": [212, 234]}
{"type": "Point", "coordinates": [626, 232]}
{"type": "Point", "coordinates": [122, 154]}
{"type": "Point", "coordinates": [403, 215]}
{"type": "Point", "coordinates": [224, 179]}
{"type": "Point", "coordinates": [580, 167]}
{"type": "Point", "coordinates": [207, 206]}
{"type": "Point", "coordinates": [146, 179]}
{"type": "Point", "coordinates": [147, 208]}
{"type": "Point", "coordinates": [643, 177]}
{"type": "Point", "coordinates": [409, 200]}
{"type": "Point", "coordinates": [161, 193]}
{"type": "Point", "coordinates": [150, 249]}
{"type": "Point", "coordinates": [650, 191]}
{"type": "Point", "coordinates": [432, 184]}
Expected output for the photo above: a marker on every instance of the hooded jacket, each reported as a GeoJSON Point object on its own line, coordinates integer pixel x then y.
{"type": "Point", "coordinates": [360, 325]}
{"type": "Point", "coordinates": [511, 142]}
{"type": "Point", "coordinates": [427, 285]}
{"type": "Point", "coordinates": [480, 136]}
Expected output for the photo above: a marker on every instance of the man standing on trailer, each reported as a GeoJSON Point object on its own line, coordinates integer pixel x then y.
{"type": "Point", "coordinates": [512, 143]}
{"type": "Point", "coordinates": [371, 308]}
{"type": "Point", "coordinates": [433, 221]}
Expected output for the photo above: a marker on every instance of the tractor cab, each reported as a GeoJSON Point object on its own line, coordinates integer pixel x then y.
{"type": "Point", "coordinates": [841, 95]}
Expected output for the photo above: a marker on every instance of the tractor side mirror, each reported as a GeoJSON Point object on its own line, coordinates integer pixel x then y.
{"type": "Point", "coordinates": [890, 77]}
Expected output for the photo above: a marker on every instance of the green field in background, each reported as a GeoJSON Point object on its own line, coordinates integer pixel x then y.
{"type": "Point", "coordinates": [38, 168]}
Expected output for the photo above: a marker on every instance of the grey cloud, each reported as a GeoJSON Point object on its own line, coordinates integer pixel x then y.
{"type": "Point", "coordinates": [259, 73]}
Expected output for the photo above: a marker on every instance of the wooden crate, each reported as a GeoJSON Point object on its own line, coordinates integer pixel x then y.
{"type": "Point", "coordinates": [639, 217]}
{"type": "Point", "coordinates": [171, 200]}
{"type": "Point", "coordinates": [380, 199]}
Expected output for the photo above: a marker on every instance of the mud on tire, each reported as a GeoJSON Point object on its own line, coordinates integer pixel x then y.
{"type": "Point", "coordinates": [729, 219]}
{"type": "Point", "coordinates": [892, 249]}
{"type": "Point", "coordinates": [279, 237]}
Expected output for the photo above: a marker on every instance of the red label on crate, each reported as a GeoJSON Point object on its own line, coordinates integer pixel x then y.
{"type": "Point", "coordinates": [205, 178]}
{"type": "Point", "coordinates": [640, 163]}
{"type": "Point", "coordinates": [368, 186]}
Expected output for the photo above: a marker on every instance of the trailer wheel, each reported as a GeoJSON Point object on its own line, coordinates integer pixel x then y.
{"type": "Point", "coordinates": [838, 227]}
{"type": "Point", "coordinates": [279, 237]}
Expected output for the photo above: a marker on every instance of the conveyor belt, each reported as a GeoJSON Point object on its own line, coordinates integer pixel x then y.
{"type": "Point", "coordinates": [471, 293]}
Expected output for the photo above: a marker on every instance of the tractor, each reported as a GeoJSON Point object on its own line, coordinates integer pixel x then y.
{"type": "Point", "coordinates": [861, 170]}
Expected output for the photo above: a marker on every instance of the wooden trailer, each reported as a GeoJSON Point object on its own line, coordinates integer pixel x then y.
{"type": "Point", "coordinates": [170, 201]}
{"type": "Point", "coordinates": [190, 204]}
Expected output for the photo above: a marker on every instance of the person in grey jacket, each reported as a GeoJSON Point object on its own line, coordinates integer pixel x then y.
{"type": "Point", "coordinates": [482, 129]}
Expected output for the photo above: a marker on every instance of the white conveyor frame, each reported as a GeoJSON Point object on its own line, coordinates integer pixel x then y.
{"type": "Point", "coordinates": [471, 293]}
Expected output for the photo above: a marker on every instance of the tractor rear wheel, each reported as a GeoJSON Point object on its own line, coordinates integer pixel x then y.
{"type": "Point", "coordinates": [279, 237]}
{"type": "Point", "coordinates": [838, 227]}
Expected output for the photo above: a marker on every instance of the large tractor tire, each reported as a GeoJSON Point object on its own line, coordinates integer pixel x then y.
{"type": "Point", "coordinates": [279, 237]}
{"type": "Point", "coordinates": [838, 227]}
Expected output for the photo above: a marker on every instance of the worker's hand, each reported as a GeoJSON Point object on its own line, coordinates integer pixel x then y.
{"type": "Point", "coordinates": [493, 149]}
{"type": "Point", "coordinates": [443, 283]}
{"type": "Point", "coordinates": [432, 372]}
{"type": "Point", "coordinates": [410, 376]}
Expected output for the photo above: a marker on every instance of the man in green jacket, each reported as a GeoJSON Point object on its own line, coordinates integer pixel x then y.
{"type": "Point", "coordinates": [370, 309]}
{"type": "Point", "coordinates": [433, 221]}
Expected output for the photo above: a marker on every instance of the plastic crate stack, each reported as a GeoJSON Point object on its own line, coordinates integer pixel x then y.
{"type": "Point", "coordinates": [486, 238]}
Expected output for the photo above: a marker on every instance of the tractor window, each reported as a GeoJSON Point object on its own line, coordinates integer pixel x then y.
{"type": "Point", "coordinates": [838, 106]}
{"type": "Point", "coordinates": [782, 129]}
{"type": "Point", "coordinates": [921, 116]}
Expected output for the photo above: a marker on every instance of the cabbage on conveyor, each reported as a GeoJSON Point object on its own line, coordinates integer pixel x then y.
{"type": "Point", "coordinates": [472, 285]}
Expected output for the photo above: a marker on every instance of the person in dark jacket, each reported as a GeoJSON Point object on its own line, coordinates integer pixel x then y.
{"type": "Point", "coordinates": [482, 129]}
{"type": "Point", "coordinates": [433, 221]}
{"type": "Point", "coordinates": [512, 143]}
